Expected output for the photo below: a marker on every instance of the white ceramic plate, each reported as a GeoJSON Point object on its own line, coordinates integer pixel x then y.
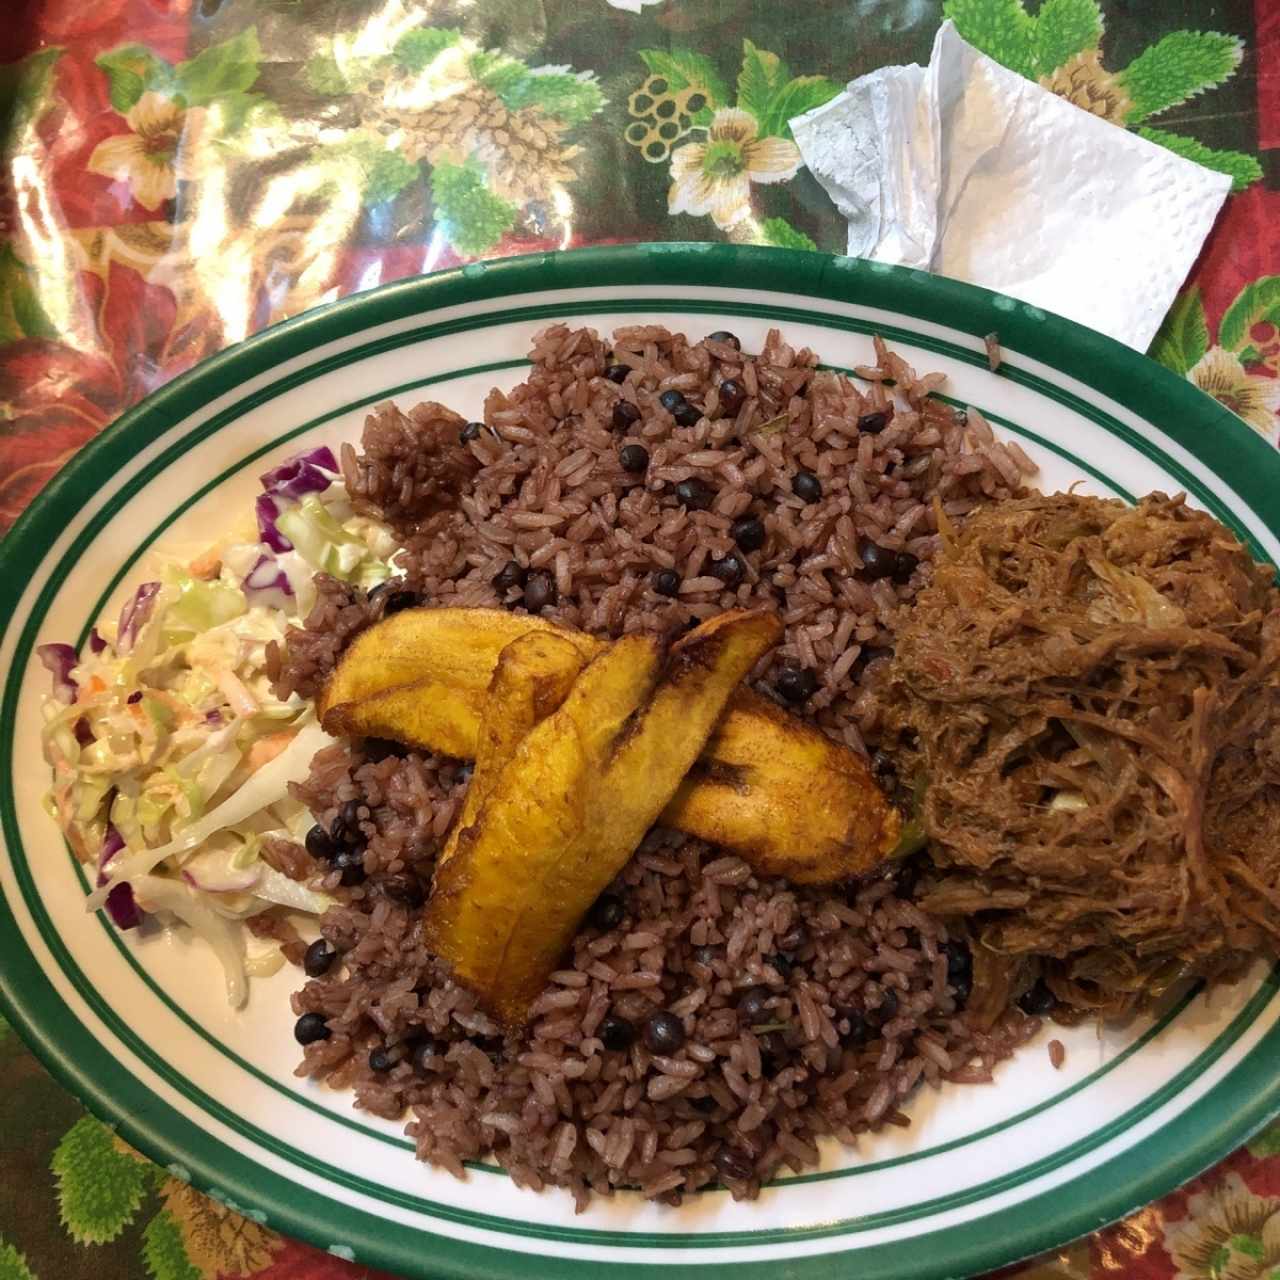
{"type": "Point", "coordinates": [140, 1032]}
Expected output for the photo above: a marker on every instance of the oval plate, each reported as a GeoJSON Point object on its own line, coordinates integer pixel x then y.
{"type": "Point", "coordinates": [140, 1032]}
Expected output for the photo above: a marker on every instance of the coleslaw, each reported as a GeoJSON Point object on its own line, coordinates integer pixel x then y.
{"type": "Point", "coordinates": [171, 755]}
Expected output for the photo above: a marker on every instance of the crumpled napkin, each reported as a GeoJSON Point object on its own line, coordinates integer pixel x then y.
{"type": "Point", "coordinates": [967, 169]}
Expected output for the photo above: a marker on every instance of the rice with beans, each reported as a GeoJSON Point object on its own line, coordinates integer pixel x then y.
{"type": "Point", "coordinates": [784, 1015]}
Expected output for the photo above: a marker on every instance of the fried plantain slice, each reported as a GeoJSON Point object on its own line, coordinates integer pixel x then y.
{"type": "Point", "coordinates": [769, 786]}
{"type": "Point", "coordinates": [533, 677]}
{"type": "Point", "coordinates": [575, 800]}
{"type": "Point", "coordinates": [455, 649]}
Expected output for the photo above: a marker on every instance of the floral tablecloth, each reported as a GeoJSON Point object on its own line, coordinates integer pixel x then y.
{"type": "Point", "coordinates": [179, 173]}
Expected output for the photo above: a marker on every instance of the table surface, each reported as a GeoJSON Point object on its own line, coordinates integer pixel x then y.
{"type": "Point", "coordinates": [179, 173]}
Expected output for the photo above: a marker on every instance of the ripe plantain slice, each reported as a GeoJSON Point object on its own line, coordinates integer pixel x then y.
{"type": "Point", "coordinates": [455, 649]}
{"type": "Point", "coordinates": [574, 801]}
{"type": "Point", "coordinates": [533, 677]}
{"type": "Point", "coordinates": [785, 797]}
{"type": "Point", "coordinates": [769, 786]}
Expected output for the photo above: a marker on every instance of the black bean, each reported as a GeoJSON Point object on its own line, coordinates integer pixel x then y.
{"type": "Point", "coordinates": [728, 569]}
{"type": "Point", "coordinates": [311, 1027]}
{"type": "Point", "coordinates": [732, 397]}
{"type": "Point", "coordinates": [350, 814]}
{"type": "Point", "coordinates": [625, 415]}
{"type": "Point", "coordinates": [666, 582]}
{"type": "Point", "coordinates": [796, 684]}
{"type": "Point", "coordinates": [510, 576]}
{"type": "Point", "coordinates": [338, 831]}
{"type": "Point", "coordinates": [1038, 1000]}
{"type": "Point", "coordinates": [617, 1033]}
{"type": "Point", "coordinates": [806, 486]}
{"type": "Point", "coordinates": [539, 590]}
{"type": "Point", "coordinates": [378, 749]}
{"type": "Point", "coordinates": [379, 1061]}
{"type": "Point", "coordinates": [671, 400]}
{"type": "Point", "coordinates": [706, 955]}
{"type": "Point", "coordinates": [748, 532]}
{"type": "Point", "coordinates": [882, 768]}
{"type": "Point", "coordinates": [319, 845]}
{"type": "Point", "coordinates": [781, 963]}
{"type": "Point", "coordinates": [686, 415]}
{"type": "Point", "coordinates": [607, 911]}
{"type": "Point", "coordinates": [318, 959]}
{"type": "Point", "coordinates": [907, 877]}
{"type": "Point", "coordinates": [859, 1029]}
{"type": "Point", "coordinates": [729, 339]}
{"type": "Point", "coordinates": [753, 1004]}
{"type": "Point", "coordinates": [404, 889]}
{"type": "Point", "coordinates": [470, 432]}
{"type": "Point", "coordinates": [492, 1045]}
{"type": "Point", "coordinates": [351, 863]}
{"type": "Point", "coordinates": [616, 372]}
{"type": "Point", "coordinates": [424, 1054]}
{"type": "Point", "coordinates": [959, 959]}
{"type": "Point", "coordinates": [904, 565]}
{"type": "Point", "coordinates": [877, 561]}
{"type": "Point", "coordinates": [398, 601]}
{"type": "Point", "coordinates": [873, 653]}
{"type": "Point", "coordinates": [794, 938]}
{"type": "Point", "coordinates": [664, 1033]}
{"type": "Point", "coordinates": [733, 1164]}
{"type": "Point", "coordinates": [634, 458]}
{"type": "Point", "coordinates": [694, 494]}
{"type": "Point", "coordinates": [773, 1054]}
{"type": "Point", "coordinates": [887, 1008]}
{"type": "Point", "coordinates": [874, 423]}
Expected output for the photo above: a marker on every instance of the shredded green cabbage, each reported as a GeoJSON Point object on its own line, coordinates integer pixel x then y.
{"type": "Point", "coordinates": [183, 747]}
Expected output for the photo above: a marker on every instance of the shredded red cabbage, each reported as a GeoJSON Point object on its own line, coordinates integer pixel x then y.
{"type": "Point", "coordinates": [120, 906]}
{"type": "Point", "coordinates": [136, 611]}
{"type": "Point", "coordinates": [301, 474]}
{"type": "Point", "coordinates": [268, 584]}
{"type": "Point", "coordinates": [60, 659]}
{"type": "Point", "coordinates": [96, 643]}
{"type": "Point", "coordinates": [267, 510]}
{"type": "Point", "coordinates": [311, 471]}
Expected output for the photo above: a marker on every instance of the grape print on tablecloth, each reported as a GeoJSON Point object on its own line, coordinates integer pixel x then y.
{"type": "Point", "coordinates": [719, 151]}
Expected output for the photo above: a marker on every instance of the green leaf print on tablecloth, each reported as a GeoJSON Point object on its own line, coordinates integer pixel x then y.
{"type": "Point", "coordinates": [220, 74]}
{"type": "Point", "coordinates": [718, 153]}
{"type": "Point", "coordinates": [104, 1186]}
{"type": "Point", "coordinates": [13, 1266]}
{"type": "Point", "coordinates": [468, 213]}
{"type": "Point", "coordinates": [99, 1187]}
{"type": "Point", "coordinates": [164, 1252]}
{"type": "Point", "coordinates": [1249, 324]}
{"type": "Point", "coordinates": [24, 86]}
{"type": "Point", "coordinates": [1242, 369]}
{"type": "Point", "coordinates": [782, 235]}
{"type": "Point", "coordinates": [1184, 336]}
{"type": "Point", "coordinates": [1060, 46]}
